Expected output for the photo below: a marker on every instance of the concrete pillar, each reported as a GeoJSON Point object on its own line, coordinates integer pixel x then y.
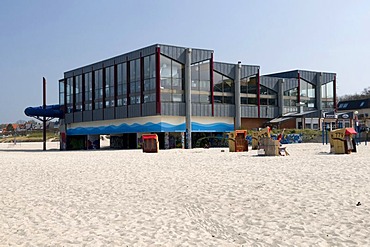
{"type": "Point", "coordinates": [318, 92]}
{"type": "Point", "coordinates": [238, 115]}
{"type": "Point", "coordinates": [281, 97]}
{"type": "Point", "coordinates": [188, 96]}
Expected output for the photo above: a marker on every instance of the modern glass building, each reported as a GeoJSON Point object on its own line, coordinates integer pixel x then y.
{"type": "Point", "coordinates": [182, 94]}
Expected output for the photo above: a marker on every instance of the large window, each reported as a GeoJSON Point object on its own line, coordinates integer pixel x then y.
{"type": "Point", "coordinates": [290, 100]}
{"type": "Point", "coordinates": [327, 95]}
{"type": "Point", "coordinates": [121, 84]}
{"type": "Point", "coordinates": [268, 97]}
{"type": "Point", "coordinates": [88, 91]}
{"type": "Point", "coordinates": [149, 79]}
{"type": "Point", "coordinates": [109, 86]}
{"type": "Point", "coordinates": [135, 88]}
{"type": "Point", "coordinates": [248, 90]}
{"type": "Point", "coordinates": [78, 91]}
{"type": "Point", "coordinates": [223, 89]}
{"type": "Point", "coordinates": [201, 82]}
{"type": "Point", "coordinates": [172, 81]}
{"type": "Point", "coordinates": [69, 95]}
{"type": "Point", "coordinates": [61, 92]}
{"type": "Point", "coordinates": [307, 94]}
{"type": "Point", "coordinates": [98, 82]}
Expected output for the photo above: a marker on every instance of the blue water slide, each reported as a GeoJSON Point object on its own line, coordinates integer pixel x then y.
{"type": "Point", "coordinates": [51, 111]}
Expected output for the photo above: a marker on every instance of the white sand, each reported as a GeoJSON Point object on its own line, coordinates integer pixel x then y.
{"type": "Point", "coordinates": [199, 197]}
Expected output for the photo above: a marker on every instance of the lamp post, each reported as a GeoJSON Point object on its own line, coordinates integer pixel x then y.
{"type": "Point", "coordinates": [44, 118]}
{"type": "Point", "coordinates": [357, 127]}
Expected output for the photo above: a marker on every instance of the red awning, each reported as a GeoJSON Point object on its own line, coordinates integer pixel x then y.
{"type": "Point", "coordinates": [350, 131]}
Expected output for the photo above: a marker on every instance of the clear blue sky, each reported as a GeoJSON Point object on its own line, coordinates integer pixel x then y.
{"type": "Point", "coordinates": [43, 38]}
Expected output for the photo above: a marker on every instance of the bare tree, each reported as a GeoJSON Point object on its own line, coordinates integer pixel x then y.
{"type": "Point", "coordinates": [365, 94]}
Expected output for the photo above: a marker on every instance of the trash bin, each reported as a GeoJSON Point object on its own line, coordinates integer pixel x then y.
{"type": "Point", "coordinates": [150, 143]}
{"type": "Point", "coordinates": [238, 141]}
{"type": "Point", "coordinates": [342, 141]}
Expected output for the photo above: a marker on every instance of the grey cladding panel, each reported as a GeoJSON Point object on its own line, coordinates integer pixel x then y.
{"type": "Point", "coordinates": [133, 111]}
{"type": "Point", "coordinates": [176, 53]}
{"type": "Point", "coordinates": [248, 70]}
{"type": "Point", "coordinates": [201, 109]}
{"type": "Point", "coordinates": [133, 55]}
{"type": "Point", "coordinates": [87, 116]}
{"type": "Point", "coordinates": [68, 118]}
{"type": "Point", "coordinates": [120, 59]}
{"type": "Point", "coordinates": [77, 117]}
{"type": "Point", "coordinates": [87, 69]}
{"type": "Point", "coordinates": [121, 112]}
{"type": "Point", "coordinates": [148, 50]}
{"type": "Point", "coordinates": [68, 74]}
{"type": "Point", "coordinates": [327, 77]}
{"type": "Point", "coordinates": [269, 112]}
{"type": "Point", "coordinates": [249, 111]}
{"type": "Point", "coordinates": [173, 109]}
{"type": "Point", "coordinates": [109, 113]}
{"type": "Point", "coordinates": [77, 71]}
{"type": "Point", "coordinates": [270, 82]}
{"type": "Point", "coordinates": [224, 110]}
{"type": "Point", "coordinates": [289, 84]}
{"type": "Point", "coordinates": [198, 55]}
{"type": "Point", "coordinates": [108, 63]}
{"type": "Point", "coordinates": [308, 76]}
{"type": "Point", "coordinates": [226, 69]}
{"type": "Point", "coordinates": [288, 74]}
{"type": "Point", "coordinates": [149, 109]}
{"type": "Point", "coordinates": [97, 114]}
{"type": "Point", "coordinates": [97, 66]}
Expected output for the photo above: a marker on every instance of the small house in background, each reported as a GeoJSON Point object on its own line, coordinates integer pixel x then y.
{"type": "Point", "coordinates": [359, 110]}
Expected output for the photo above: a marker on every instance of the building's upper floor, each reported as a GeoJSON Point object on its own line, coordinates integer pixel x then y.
{"type": "Point", "coordinates": [152, 81]}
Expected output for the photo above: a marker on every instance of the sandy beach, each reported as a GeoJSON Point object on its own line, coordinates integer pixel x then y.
{"type": "Point", "coordinates": [198, 197]}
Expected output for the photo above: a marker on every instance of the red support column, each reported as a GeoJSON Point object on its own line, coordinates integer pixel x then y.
{"type": "Point", "coordinates": [141, 83]}
{"type": "Point", "coordinates": [258, 94]}
{"type": "Point", "coordinates": [44, 107]}
{"type": "Point", "coordinates": [212, 86]}
{"type": "Point", "coordinates": [335, 92]}
{"type": "Point", "coordinates": [299, 88]}
{"type": "Point", "coordinates": [158, 80]}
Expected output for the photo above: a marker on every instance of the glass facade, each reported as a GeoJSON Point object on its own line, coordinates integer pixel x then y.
{"type": "Point", "coordinates": [201, 82]}
{"type": "Point", "coordinates": [109, 87]}
{"type": "Point", "coordinates": [268, 97]}
{"type": "Point", "coordinates": [327, 95]}
{"type": "Point", "coordinates": [290, 100]}
{"type": "Point", "coordinates": [172, 80]}
{"type": "Point", "coordinates": [249, 90]}
{"type": "Point", "coordinates": [61, 92]}
{"type": "Point", "coordinates": [308, 94]}
{"type": "Point", "coordinates": [78, 93]}
{"type": "Point", "coordinates": [135, 84]}
{"type": "Point", "coordinates": [122, 84]}
{"type": "Point", "coordinates": [88, 91]}
{"type": "Point", "coordinates": [223, 89]}
{"type": "Point", "coordinates": [149, 79]}
{"type": "Point", "coordinates": [98, 83]}
{"type": "Point", "coordinates": [69, 95]}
